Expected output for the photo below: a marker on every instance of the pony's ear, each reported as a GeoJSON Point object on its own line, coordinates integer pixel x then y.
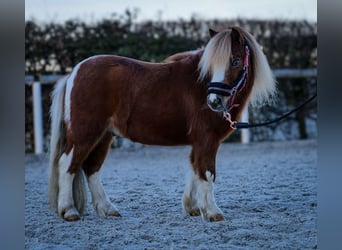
{"type": "Point", "coordinates": [212, 33]}
{"type": "Point", "coordinates": [237, 36]}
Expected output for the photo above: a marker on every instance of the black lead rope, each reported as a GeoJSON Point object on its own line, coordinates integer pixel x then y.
{"type": "Point", "coordinates": [245, 125]}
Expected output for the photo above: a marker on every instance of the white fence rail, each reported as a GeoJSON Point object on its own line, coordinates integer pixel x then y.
{"type": "Point", "coordinates": [51, 79]}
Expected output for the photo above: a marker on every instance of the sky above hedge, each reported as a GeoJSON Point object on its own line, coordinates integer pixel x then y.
{"type": "Point", "coordinates": [91, 10]}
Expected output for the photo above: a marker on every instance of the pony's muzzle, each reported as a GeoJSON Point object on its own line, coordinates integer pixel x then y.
{"type": "Point", "coordinates": [215, 103]}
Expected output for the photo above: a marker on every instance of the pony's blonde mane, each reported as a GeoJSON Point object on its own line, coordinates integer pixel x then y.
{"type": "Point", "coordinates": [217, 54]}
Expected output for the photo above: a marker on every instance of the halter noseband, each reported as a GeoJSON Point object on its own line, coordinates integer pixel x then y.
{"type": "Point", "coordinates": [234, 88]}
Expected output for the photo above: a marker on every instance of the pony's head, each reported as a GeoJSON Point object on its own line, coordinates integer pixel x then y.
{"type": "Point", "coordinates": [235, 63]}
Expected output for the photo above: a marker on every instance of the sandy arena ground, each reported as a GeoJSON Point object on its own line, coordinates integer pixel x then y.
{"type": "Point", "coordinates": [267, 192]}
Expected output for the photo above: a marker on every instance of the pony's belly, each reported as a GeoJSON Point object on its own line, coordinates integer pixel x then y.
{"type": "Point", "coordinates": [155, 138]}
{"type": "Point", "coordinates": [162, 141]}
{"type": "Point", "coordinates": [157, 134]}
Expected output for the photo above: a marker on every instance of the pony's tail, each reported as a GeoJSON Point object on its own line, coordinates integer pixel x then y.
{"type": "Point", "coordinates": [57, 140]}
{"type": "Point", "coordinates": [57, 145]}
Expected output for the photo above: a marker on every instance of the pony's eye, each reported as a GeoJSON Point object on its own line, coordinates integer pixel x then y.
{"type": "Point", "coordinates": [235, 63]}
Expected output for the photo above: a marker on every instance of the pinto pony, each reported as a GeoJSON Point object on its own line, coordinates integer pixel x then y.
{"type": "Point", "coordinates": [192, 98]}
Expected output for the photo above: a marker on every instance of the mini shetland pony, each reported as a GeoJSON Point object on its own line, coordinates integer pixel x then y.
{"type": "Point", "coordinates": [193, 98]}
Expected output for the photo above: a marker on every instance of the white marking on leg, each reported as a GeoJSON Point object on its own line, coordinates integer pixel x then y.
{"type": "Point", "coordinates": [69, 87]}
{"type": "Point", "coordinates": [190, 194]}
{"type": "Point", "coordinates": [206, 198]}
{"type": "Point", "coordinates": [65, 200]}
{"type": "Point", "coordinates": [101, 203]}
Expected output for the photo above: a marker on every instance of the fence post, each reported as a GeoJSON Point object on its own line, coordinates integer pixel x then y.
{"type": "Point", "coordinates": [245, 135]}
{"type": "Point", "coordinates": [37, 118]}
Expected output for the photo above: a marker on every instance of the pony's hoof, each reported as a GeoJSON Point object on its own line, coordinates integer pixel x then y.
{"type": "Point", "coordinates": [70, 215]}
{"type": "Point", "coordinates": [195, 212]}
{"type": "Point", "coordinates": [215, 217]}
{"type": "Point", "coordinates": [107, 209]}
{"type": "Point", "coordinates": [72, 218]}
{"type": "Point", "coordinates": [114, 213]}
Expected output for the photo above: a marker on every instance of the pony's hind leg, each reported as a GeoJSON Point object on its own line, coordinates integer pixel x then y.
{"type": "Point", "coordinates": [92, 166]}
{"type": "Point", "coordinates": [72, 193]}
{"type": "Point", "coordinates": [66, 207]}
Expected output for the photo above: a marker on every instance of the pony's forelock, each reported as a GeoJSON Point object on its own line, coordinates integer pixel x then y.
{"type": "Point", "coordinates": [216, 54]}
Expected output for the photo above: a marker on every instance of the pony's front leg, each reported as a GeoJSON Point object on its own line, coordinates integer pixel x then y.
{"type": "Point", "coordinates": [190, 195]}
{"type": "Point", "coordinates": [206, 202]}
{"type": "Point", "coordinates": [198, 197]}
